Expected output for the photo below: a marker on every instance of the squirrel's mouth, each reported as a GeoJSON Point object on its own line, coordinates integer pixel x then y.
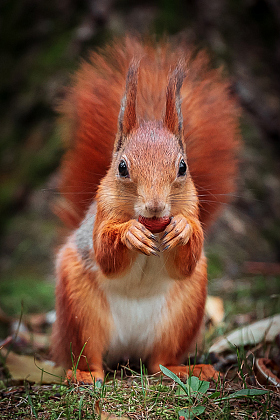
{"type": "Point", "coordinates": [154, 224]}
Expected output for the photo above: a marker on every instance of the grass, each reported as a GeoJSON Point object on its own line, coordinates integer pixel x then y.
{"type": "Point", "coordinates": [139, 396]}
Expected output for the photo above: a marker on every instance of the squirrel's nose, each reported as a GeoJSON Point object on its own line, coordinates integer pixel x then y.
{"type": "Point", "coordinates": [154, 207]}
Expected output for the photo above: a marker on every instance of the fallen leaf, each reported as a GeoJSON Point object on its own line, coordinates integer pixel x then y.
{"type": "Point", "coordinates": [265, 329]}
{"type": "Point", "coordinates": [26, 368]}
{"type": "Point", "coordinates": [215, 309]}
{"type": "Point", "coordinates": [266, 370]}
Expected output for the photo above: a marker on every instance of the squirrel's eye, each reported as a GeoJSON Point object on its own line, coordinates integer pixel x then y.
{"type": "Point", "coordinates": [182, 168]}
{"type": "Point", "coordinates": [123, 171]}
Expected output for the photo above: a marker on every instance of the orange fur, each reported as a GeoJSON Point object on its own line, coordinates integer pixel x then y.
{"type": "Point", "coordinates": [185, 258]}
{"type": "Point", "coordinates": [76, 294]}
{"type": "Point", "coordinates": [171, 155]}
{"type": "Point", "coordinates": [112, 256]}
{"type": "Point", "coordinates": [90, 114]}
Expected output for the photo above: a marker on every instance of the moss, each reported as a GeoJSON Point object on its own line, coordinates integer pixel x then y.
{"type": "Point", "coordinates": [34, 292]}
{"type": "Point", "coordinates": [215, 264]}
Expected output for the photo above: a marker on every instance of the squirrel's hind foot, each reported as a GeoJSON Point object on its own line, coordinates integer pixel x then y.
{"type": "Point", "coordinates": [82, 377]}
{"type": "Point", "coordinates": [201, 371]}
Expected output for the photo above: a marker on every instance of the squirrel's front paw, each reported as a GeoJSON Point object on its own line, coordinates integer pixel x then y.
{"type": "Point", "coordinates": [178, 232]}
{"type": "Point", "coordinates": [136, 236]}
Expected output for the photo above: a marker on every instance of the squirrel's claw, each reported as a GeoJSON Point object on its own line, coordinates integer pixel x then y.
{"type": "Point", "coordinates": [178, 232]}
{"type": "Point", "coordinates": [139, 238]}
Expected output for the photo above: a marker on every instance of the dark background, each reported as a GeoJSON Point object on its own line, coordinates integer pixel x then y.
{"type": "Point", "coordinates": [42, 43]}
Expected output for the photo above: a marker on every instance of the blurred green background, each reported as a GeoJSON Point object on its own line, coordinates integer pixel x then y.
{"type": "Point", "coordinates": [42, 43]}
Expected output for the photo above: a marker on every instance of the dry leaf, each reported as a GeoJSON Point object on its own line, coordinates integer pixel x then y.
{"type": "Point", "coordinates": [266, 329]}
{"type": "Point", "coordinates": [25, 367]}
{"type": "Point", "coordinates": [265, 369]}
{"type": "Point", "coordinates": [215, 309]}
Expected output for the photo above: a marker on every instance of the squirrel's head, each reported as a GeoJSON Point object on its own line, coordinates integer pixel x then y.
{"type": "Point", "coordinates": [149, 162]}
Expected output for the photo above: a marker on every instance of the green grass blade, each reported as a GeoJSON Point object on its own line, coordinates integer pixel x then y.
{"type": "Point", "coordinates": [175, 378]}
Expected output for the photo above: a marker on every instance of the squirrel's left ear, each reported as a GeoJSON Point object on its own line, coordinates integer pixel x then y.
{"type": "Point", "coordinates": [127, 116]}
{"type": "Point", "coordinates": [173, 119]}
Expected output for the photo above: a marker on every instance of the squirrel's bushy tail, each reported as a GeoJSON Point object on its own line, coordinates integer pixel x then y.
{"type": "Point", "coordinates": [90, 115]}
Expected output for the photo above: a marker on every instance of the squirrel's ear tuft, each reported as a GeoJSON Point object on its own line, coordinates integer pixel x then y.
{"type": "Point", "coordinates": [127, 116]}
{"type": "Point", "coordinates": [173, 119]}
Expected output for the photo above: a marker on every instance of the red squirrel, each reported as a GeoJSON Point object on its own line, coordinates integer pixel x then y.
{"type": "Point", "coordinates": [153, 136]}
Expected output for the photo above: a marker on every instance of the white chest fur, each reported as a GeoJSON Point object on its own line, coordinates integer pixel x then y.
{"type": "Point", "coordinates": [137, 303]}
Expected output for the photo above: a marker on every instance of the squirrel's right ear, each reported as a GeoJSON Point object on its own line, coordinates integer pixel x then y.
{"type": "Point", "coordinates": [127, 116]}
